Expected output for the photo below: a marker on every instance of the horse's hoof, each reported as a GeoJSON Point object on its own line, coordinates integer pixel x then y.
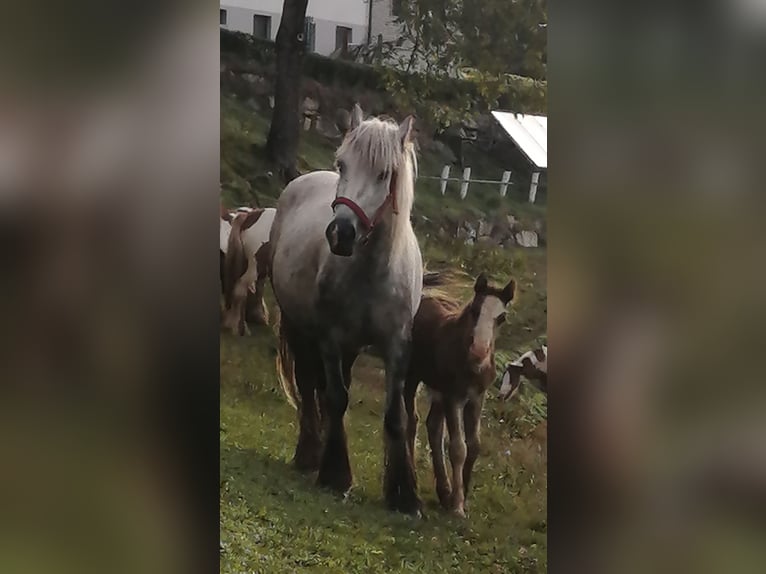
{"type": "Point", "coordinates": [338, 483]}
{"type": "Point", "coordinates": [306, 460]}
{"type": "Point", "coordinates": [459, 512]}
{"type": "Point", "coordinates": [305, 467]}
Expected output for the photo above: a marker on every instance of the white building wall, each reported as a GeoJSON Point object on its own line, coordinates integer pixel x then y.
{"type": "Point", "coordinates": [383, 21]}
{"type": "Point", "coordinates": [327, 15]}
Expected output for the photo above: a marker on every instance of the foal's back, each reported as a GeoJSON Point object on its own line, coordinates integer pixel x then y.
{"type": "Point", "coordinates": [440, 348]}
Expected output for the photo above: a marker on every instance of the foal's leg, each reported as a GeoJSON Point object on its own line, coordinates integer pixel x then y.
{"type": "Point", "coordinates": [435, 424]}
{"type": "Point", "coordinates": [457, 455]}
{"type": "Point", "coordinates": [334, 468]}
{"type": "Point", "coordinates": [399, 482]}
{"type": "Point", "coordinates": [472, 420]}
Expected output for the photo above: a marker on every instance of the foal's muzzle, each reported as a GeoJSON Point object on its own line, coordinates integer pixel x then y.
{"type": "Point", "coordinates": [341, 236]}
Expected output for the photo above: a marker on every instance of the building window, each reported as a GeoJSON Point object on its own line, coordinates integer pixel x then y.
{"type": "Point", "coordinates": [309, 34]}
{"type": "Point", "coordinates": [342, 38]}
{"type": "Point", "coordinates": [262, 26]}
{"type": "Point", "coordinates": [223, 17]}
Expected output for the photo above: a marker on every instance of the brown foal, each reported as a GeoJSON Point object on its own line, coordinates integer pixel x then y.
{"type": "Point", "coordinates": [453, 353]}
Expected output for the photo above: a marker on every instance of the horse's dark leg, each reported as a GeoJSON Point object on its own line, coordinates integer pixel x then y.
{"type": "Point", "coordinates": [471, 422]}
{"type": "Point", "coordinates": [457, 455]}
{"type": "Point", "coordinates": [399, 484]}
{"type": "Point", "coordinates": [435, 425]}
{"type": "Point", "coordinates": [309, 448]}
{"type": "Point", "coordinates": [334, 468]}
{"type": "Point", "coordinates": [410, 389]}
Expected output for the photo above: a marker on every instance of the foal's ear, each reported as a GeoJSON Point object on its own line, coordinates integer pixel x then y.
{"type": "Point", "coordinates": [357, 116]}
{"type": "Point", "coordinates": [405, 129]}
{"type": "Point", "coordinates": [508, 292]}
{"type": "Point", "coordinates": [481, 284]}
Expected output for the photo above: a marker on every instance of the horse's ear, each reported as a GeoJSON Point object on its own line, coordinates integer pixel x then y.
{"type": "Point", "coordinates": [481, 284]}
{"type": "Point", "coordinates": [405, 129]}
{"type": "Point", "coordinates": [357, 116]}
{"type": "Point", "coordinates": [509, 291]}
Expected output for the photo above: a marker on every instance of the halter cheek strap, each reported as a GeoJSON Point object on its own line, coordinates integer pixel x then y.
{"type": "Point", "coordinates": [369, 224]}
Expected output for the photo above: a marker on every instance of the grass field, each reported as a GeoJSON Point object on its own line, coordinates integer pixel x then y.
{"type": "Point", "coordinates": [275, 520]}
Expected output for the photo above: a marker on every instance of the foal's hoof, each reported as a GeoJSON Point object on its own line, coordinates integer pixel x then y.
{"type": "Point", "coordinates": [459, 511]}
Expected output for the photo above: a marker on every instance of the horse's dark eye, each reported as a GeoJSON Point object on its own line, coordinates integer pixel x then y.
{"type": "Point", "coordinates": [500, 320]}
{"type": "Point", "coordinates": [341, 167]}
{"type": "Point", "coordinates": [382, 176]}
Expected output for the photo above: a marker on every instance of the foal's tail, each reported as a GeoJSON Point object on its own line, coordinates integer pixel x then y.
{"type": "Point", "coordinates": [286, 369]}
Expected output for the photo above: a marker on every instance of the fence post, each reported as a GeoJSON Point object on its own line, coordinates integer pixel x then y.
{"type": "Point", "coordinates": [445, 175]}
{"type": "Point", "coordinates": [504, 183]}
{"type": "Point", "coordinates": [464, 185]}
{"type": "Point", "coordinates": [533, 186]}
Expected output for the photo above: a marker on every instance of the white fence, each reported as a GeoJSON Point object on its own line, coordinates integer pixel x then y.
{"type": "Point", "coordinates": [466, 180]}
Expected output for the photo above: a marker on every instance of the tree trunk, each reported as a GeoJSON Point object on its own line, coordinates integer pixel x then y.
{"type": "Point", "coordinates": [282, 144]}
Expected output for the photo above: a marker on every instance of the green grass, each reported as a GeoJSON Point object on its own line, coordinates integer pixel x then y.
{"type": "Point", "coordinates": [274, 519]}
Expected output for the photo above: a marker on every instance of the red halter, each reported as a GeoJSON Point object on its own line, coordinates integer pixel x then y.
{"type": "Point", "coordinates": [369, 224]}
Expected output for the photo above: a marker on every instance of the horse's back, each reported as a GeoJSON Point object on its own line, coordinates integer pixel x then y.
{"type": "Point", "coordinates": [428, 327]}
{"type": "Point", "coordinates": [257, 233]}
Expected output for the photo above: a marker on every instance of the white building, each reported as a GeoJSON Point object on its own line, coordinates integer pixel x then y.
{"type": "Point", "coordinates": [330, 24]}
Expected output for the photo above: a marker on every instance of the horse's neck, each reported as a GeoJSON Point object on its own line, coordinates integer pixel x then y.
{"type": "Point", "coordinates": [395, 230]}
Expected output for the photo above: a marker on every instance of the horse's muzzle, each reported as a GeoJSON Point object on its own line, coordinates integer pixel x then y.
{"type": "Point", "coordinates": [341, 236]}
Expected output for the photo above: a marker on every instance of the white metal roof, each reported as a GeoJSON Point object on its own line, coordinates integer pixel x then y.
{"type": "Point", "coordinates": [530, 133]}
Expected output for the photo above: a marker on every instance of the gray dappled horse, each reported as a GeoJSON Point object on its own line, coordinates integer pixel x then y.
{"type": "Point", "coordinates": [347, 274]}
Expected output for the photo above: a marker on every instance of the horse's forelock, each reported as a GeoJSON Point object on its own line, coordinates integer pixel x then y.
{"type": "Point", "coordinates": [376, 142]}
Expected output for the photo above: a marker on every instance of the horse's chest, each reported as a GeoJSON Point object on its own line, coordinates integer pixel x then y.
{"type": "Point", "coordinates": [459, 381]}
{"type": "Point", "coordinates": [359, 309]}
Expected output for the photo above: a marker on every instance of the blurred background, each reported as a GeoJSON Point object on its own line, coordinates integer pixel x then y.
{"type": "Point", "coordinates": [657, 453]}
{"type": "Point", "coordinates": [109, 122]}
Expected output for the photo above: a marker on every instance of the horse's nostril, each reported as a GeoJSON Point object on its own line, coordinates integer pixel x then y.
{"type": "Point", "coordinates": [332, 233]}
{"type": "Point", "coordinates": [346, 232]}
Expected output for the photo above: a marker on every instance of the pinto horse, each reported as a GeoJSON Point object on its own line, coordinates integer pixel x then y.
{"type": "Point", "coordinates": [533, 365]}
{"type": "Point", "coordinates": [453, 353]}
{"type": "Point", "coordinates": [347, 273]}
{"type": "Point", "coordinates": [246, 268]}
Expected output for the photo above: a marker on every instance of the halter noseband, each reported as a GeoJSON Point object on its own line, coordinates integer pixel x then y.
{"type": "Point", "coordinates": [369, 224]}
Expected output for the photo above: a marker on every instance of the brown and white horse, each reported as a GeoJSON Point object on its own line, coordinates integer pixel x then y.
{"type": "Point", "coordinates": [246, 268]}
{"type": "Point", "coordinates": [453, 353]}
{"type": "Point", "coordinates": [533, 365]}
{"type": "Point", "coordinates": [226, 217]}
{"type": "Point", "coordinates": [347, 274]}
